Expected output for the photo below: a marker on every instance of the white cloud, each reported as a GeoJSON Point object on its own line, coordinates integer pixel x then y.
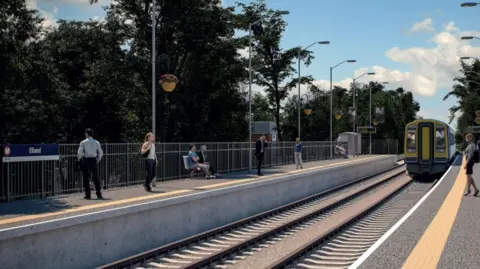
{"type": "Point", "coordinates": [450, 27]}
{"type": "Point", "coordinates": [423, 26]}
{"type": "Point", "coordinates": [48, 16]}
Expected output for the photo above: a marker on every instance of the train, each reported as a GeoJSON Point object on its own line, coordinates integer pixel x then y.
{"type": "Point", "coordinates": [430, 147]}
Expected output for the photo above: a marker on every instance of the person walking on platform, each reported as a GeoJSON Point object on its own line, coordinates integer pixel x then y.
{"type": "Point", "coordinates": [469, 162]}
{"type": "Point", "coordinates": [89, 154]}
{"type": "Point", "coordinates": [148, 152]}
{"type": "Point", "coordinates": [260, 146]}
{"type": "Point", "coordinates": [298, 153]}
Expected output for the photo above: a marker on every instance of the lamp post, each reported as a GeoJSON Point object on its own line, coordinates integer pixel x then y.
{"type": "Point", "coordinates": [299, 82]}
{"type": "Point", "coordinates": [469, 37]}
{"type": "Point", "coordinates": [331, 104]}
{"type": "Point", "coordinates": [153, 68]}
{"type": "Point", "coordinates": [354, 91]}
{"type": "Point", "coordinates": [281, 12]}
{"type": "Point", "coordinates": [468, 58]}
{"type": "Point", "coordinates": [469, 4]}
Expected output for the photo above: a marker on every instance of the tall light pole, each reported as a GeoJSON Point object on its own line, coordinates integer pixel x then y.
{"type": "Point", "coordinates": [299, 82]}
{"type": "Point", "coordinates": [331, 104]}
{"type": "Point", "coordinates": [281, 12]}
{"type": "Point", "coordinates": [154, 97]}
{"type": "Point", "coordinates": [354, 93]}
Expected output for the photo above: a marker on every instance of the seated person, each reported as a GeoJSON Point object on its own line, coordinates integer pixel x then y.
{"type": "Point", "coordinates": [193, 162]}
{"type": "Point", "coordinates": [203, 159]}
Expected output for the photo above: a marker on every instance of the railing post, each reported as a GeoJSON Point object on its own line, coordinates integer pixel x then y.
{"type": "Point", "coordinates": [179, 157]}
{"type": "Point", "coordinates": [128, 165]}
{"type": "Point", "coordinates": [228, 157]}
{"type": "Point", "coordinates": [105, 186]}
{"type": "Point", "coordinates": [43, 179]}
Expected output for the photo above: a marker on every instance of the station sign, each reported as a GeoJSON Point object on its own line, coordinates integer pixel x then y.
{"type": "Point", "coordinates": [474, 129]}
{"type": "Point", "coordinates": [367, 130]}
{"type": "Point", "coordinates": [30, 152]}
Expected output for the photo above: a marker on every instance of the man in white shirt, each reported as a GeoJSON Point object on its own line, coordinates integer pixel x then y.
{"type": "Point", "coordinates": [90, 153]}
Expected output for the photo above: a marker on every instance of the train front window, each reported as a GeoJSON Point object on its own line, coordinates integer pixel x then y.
{"type": "Point", "coordinates": [412, 140]}
{"type": "Point", "coordinates": [440, 138]}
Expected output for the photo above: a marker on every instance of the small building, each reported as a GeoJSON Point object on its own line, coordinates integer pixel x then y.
{"type": "Point", "coordinates": [268, 128]}
{"type": "Point", "coordinates": [353, 140]}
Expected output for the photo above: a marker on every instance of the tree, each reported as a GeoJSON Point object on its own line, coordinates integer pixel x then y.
{"type": "Point", "coordinates": [467, 92]}
{"type": "Point", "coordinates": [197, 40]}
{"type": "Point", "coordinates": [19, 96]}
{"type": "Point", "coordinates": [261, 109]}
{"type": "Point", "coordinates": [272, 65]}
{"type": "Point", "coordinates": [400, 108]}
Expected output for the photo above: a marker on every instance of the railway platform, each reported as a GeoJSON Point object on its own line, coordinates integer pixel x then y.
{"type": "Point", "coordinates": [440, 231]}
{"type": "Point", "coordinates": [71, 232]}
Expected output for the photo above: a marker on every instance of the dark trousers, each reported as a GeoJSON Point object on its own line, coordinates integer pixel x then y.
{"type": "Point", "coordinates": [90, 167]}
{"type": "Point", "coordinates": [212, 170]}
{"type": "Point", "coordinates": [260, 161]}
{"type": "Point", "coordinates": [151, 171]}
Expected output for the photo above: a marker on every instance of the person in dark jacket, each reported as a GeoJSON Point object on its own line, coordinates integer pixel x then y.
{"type": "Point", "coordinates": [202, 158]}
{"type": "Point", "coordinates": [260, 146]}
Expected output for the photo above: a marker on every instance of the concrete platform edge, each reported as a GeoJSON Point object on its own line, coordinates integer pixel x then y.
{"type": "Point", "coordinates": [67, 242]}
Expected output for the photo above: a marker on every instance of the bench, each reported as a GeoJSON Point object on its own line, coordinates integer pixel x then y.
{"type": "Point", "coordinates": [190, 170]}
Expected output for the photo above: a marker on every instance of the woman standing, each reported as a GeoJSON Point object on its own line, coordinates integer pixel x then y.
{"type": "Point", "coordinates": [298, 153]}
{"type": "Point", "coordinates": [148, 152]}
{"type": "Point", "coordinates": [469, 162]}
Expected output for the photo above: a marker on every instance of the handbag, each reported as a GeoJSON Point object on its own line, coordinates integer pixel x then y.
{"type": "Point", "coordinates": [145, 154]}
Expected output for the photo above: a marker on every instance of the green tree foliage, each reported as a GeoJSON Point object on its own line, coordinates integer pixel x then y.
{"type": "Point", "coordinates": [272, 65]}
{"type": "Point", "coordinates": [58, 81]}
{"type": "Point", "coordinates": [467, 92]}
{"type": "Point", "coordinates": [400, 108]}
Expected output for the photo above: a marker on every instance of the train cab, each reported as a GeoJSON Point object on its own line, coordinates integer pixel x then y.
{"type": "Point", "coordinates": [429, 147]}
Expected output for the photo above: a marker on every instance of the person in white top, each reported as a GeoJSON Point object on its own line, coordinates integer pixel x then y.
{"type": "Point", "coordinates": [148, 152]}
{"type": "Point", "coordinates": [90, 153]}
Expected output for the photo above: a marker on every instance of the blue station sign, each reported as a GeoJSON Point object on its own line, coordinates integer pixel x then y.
{"type": "Point", "coordinates": [30, 152]}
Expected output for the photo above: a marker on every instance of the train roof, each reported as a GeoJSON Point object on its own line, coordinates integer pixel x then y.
{"type": "Point", "coordinates": [429, 120]}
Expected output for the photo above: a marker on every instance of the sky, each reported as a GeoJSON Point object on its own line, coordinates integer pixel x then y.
{"type": "Point", "coordinates": [411, 44]}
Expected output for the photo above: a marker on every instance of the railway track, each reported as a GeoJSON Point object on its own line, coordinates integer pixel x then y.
{"type": "Point", "coordinates": [346, 246]}
{"type": "Point", "coordinates": [219, 248]}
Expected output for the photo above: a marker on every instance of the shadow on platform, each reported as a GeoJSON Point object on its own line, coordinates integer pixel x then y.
{"type": "Point", "coordinates": [32, 207]}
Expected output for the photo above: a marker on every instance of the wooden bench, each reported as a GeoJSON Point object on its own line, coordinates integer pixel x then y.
{"type": "Point", "coordinates": [190, 170]}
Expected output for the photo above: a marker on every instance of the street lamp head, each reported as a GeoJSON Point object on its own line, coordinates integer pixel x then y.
{"type": "Point", "coordinates": [385, 82]}
{"type": "Point", "coordinates": [465, 58]}
{"type": "Point", "coordinates": [323, 42]}
{"type": "Point", "coordinates": [283, 12]}
{"type": "Point", "coordinates": [467, 37]}
{"type": "Point", "coordinates": [371, 73]}
{"type": "Point", "coordinates": [468, 4]}
{"type": "Point", "coordinates": [351, 61]}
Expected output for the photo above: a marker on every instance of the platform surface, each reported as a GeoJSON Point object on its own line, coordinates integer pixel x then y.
{"type": "Point", "coordinates": [441, 233]}
{"type": "Point", "coordinates": [21, 213]}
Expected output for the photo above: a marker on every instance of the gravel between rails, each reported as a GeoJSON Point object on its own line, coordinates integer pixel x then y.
{"type": "Point", "coordinates": [264, 254]}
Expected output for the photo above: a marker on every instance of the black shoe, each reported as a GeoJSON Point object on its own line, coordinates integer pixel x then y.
{"type": "Point", "coordinates": [147, 188]}
{"type": "Point", "coordinates": [99, 196]}
{"type": "Point", "coordinates": [259, 175]}
{"type": "Point", "coordinates": [88, 197]}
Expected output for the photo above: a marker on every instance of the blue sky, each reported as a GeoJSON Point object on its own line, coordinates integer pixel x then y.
{"type": "Point", "coordinates": [423, 61]}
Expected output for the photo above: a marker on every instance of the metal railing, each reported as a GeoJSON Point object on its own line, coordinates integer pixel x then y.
{"type": "Point", "coordinates": [123, 166]}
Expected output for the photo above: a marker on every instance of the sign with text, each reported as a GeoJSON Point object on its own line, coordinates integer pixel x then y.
{"type": "Point", "coordinates": [474, 129]}
{"type": "Point", "coordinates": [367, 130]}
{"type": "Point", "coordinates": [30, 152]}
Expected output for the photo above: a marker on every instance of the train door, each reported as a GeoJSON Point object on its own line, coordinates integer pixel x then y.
{"type": "Point", "coordinates": [425, 143]}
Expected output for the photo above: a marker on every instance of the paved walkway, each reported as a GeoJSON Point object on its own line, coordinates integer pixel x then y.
{"type": "Point", "coordinates": [26, 212]}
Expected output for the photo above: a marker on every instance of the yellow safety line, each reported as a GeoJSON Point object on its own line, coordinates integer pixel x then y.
{"type": "Point", "coordinates": [89, 207]}
{"type": "Point", "coordinates": [160, 195]}
{"type": "Point", "coordinates": [428, 250]}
